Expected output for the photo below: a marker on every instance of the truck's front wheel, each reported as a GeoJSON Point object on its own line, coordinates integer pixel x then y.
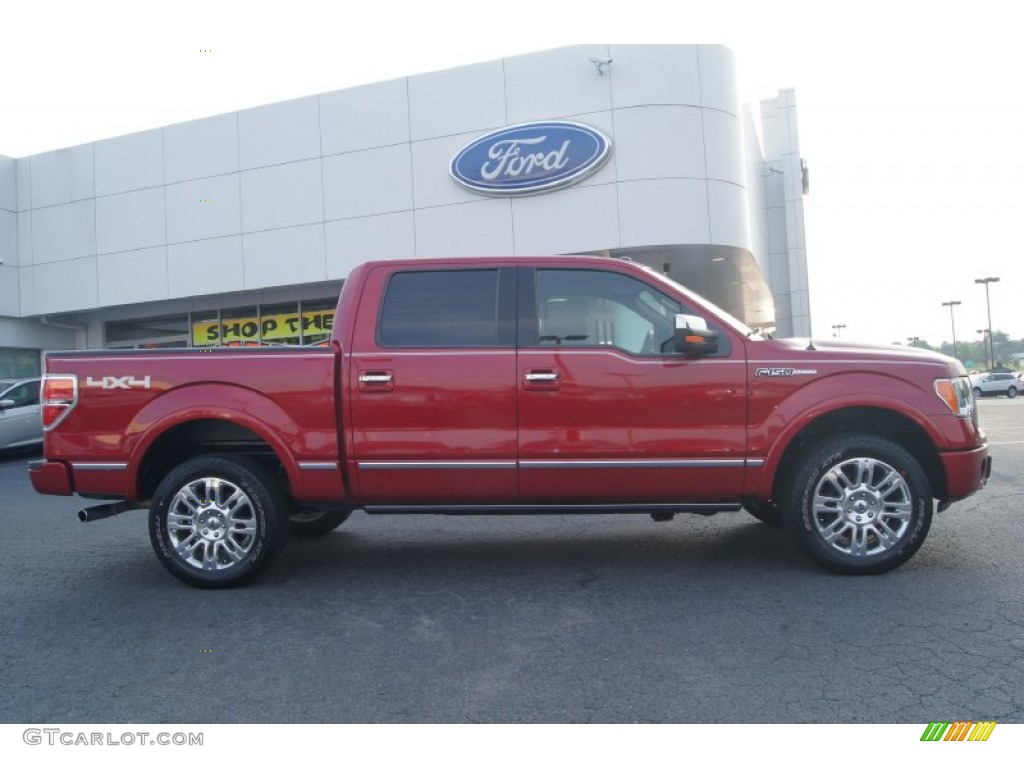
{"type": "Point", "coordinates": [217, 521]}
{"type": "Point", "coordinates": [767, 512]}
{"type": "Point", "coordinates": [859, 504]}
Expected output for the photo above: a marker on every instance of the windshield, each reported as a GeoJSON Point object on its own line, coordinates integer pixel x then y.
{"type": "Point", "coordinates": [732, 322]}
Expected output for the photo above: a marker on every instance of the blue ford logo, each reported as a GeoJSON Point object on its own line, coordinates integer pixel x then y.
{"type": "Point", "coordinates": [530, 158]}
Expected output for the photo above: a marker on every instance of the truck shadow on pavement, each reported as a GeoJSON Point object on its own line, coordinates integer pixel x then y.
{"type": "Point", "coordinates": [475, 550]}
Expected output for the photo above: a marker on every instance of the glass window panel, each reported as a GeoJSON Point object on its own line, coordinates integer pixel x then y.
{"type": "Point", "coordinates": [205, 329]}
{"type": "Point", "coordinates": [449, 308]}
{"type": "Point", "coordinates": [280, 324]}
{"type": "Point", "coordinates": [240, 327]}
{"type": "Point", "coordinates": [587, 308]}
{"type": "Point", "coordinates": [151, 330]}
{"type": "Point", "coordinates": [318, 320]}
{"type": "Point", "coordinates": [19, 363]}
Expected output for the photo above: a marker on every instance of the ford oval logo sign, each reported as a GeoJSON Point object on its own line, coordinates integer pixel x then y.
{"type": "Point", "coordinates": [530, 158]}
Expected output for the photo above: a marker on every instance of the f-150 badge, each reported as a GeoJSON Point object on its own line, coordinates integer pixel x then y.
{"type": "Point", "coordinates": [118, 382]}
{"type": "Point", "coordinates": [785, 372]}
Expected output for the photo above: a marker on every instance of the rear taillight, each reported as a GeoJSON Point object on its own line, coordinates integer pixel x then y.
{"type": "Point", "coordinates": [60, 395]}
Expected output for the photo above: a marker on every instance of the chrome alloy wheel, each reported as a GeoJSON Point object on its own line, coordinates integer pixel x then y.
{"type": "Point", "coordinates": [211, 524]}
{"type": "Point", "coordinates": [862, 506]}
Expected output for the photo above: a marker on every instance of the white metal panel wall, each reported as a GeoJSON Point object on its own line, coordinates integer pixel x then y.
{"type": "Point", "coordinates": [10, 293]}
{"type": "Point", "coordinates": [62, 176]}
{"type": "Point", "coordinates": [783, 199]}
{"type": "Point", "coordinates": [457, 100]}
{"type": "Point", "coordinates": [211, 266]}
{"type": "Point", "coordinates": [364, 117]}
{"type": "Point", "coordinates": [8, 184]}
{"type": "Point", "coordinates": [129, 163]}
{"type": "Point", "coordinates": [201, 148]}
{"type": "Point", "coordinates": [303, 190]}
{"type": "Point", "coordinates": [555, 84]}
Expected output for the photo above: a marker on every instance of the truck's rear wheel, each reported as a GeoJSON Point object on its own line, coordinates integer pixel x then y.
{"type": "Point", "coordinates": [858, 504]}
{"type": "Point", "coordinates": [310, 522]}
{"type": "Point", "coordinates": [218, 521]}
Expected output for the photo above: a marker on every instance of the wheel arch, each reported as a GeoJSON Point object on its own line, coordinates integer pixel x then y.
{"type": "Point", "coordinates": [169, 447]}
{"type": "Point", "coordinates": [184, 422]}
{"type": "Point", "coordinates": [874, 420]}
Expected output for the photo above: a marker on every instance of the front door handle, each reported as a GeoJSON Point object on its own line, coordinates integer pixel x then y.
{"type": "Point", "coordinates": [377, 381]}
{"type": "Point", "coordinates": [542, 381]}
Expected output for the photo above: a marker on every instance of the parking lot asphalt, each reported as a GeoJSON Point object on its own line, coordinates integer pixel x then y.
{"type": "Point", "coordinates": [523, 620]}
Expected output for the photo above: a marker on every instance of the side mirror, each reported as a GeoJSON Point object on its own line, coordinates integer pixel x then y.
{"type": "Point", "coordinates": [5, 404]}
{"type": "Point", "coordinates": [693, 338]}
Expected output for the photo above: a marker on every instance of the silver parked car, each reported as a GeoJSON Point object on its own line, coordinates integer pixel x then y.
{"type": "Point", "coordinates": [992, 384]}
{"type": "Point", "coordinates": [21, 422]}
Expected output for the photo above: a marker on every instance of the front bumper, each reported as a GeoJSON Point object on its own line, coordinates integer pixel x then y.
{"type": "Point", "coordinates": [966, 471]}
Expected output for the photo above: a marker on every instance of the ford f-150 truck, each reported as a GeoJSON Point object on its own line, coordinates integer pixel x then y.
{"type": "Point", "coordinates": [509, 386]}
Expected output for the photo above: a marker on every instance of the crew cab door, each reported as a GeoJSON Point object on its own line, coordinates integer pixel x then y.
{"type": "Point", "coordinates": [608, 412]}
{"type": "Point", "coordinates": [432, 381]}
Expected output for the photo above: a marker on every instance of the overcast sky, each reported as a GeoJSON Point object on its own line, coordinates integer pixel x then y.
{"type": "Point", "coordinates": [911, 114]}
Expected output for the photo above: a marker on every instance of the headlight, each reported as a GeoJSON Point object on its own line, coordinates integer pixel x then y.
{"type": "Point", "coordinates": [957, 395]}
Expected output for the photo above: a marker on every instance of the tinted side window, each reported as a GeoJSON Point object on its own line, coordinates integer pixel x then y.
{"type": "Point", "coordinates": [449, 308]}
{"type": "Point", "coordinates": [586, 308]}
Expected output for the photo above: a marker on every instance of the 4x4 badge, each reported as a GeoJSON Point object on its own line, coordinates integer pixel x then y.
{"type": "Point", "coordinates": [118, 382]}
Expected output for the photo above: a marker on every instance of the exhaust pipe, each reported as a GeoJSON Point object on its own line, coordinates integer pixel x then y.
{"type": "Point", "coordinates": [101, 511]}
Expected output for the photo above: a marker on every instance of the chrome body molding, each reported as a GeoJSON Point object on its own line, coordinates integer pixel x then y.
{"type": "Point", "coordinates": [555, 464]}
{"type": "Point", "coordinates": [703, 508]}
{"type": "Point", "coordinates": [96, 466]}
{"type": "Point", "coordinates": [630, 463]}
{"type": "Point", "coordinates": [318, 466]}
{"type": "Point", "coordinates": [373, 465]}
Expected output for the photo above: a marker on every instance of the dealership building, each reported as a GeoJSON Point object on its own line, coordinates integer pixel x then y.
{"type": "Point", "coordinates": [240, 228]}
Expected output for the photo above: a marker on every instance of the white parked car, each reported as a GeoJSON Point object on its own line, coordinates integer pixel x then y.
{"type": "Point", "coordinates": [21, 424]}
{"type": "Point", "coordinates": [992, 384]}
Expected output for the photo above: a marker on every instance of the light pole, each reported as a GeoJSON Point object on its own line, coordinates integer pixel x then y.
{"type": "Point", "coordinates": [988, 306]}
{"type": "Point", "coordinates": [913, 340]}
{"type": "Point", "coordinates": [952, 322]}
{"type": "Point", "coordinates": [837, 330]}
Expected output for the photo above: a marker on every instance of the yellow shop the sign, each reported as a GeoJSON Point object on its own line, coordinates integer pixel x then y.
{"type": "Point", "coordinates": [277, 327]}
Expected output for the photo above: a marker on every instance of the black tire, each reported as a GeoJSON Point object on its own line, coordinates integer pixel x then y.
{"type": "Point", "coordinates": [858, 504]}
{"type": "Point", "coordinates": [218, 521]}
{"type": "Point", "coordinates": [1011, 392]}
{"type": "Point", "coordinates": [769, 513]}
{"type": "Point", "coordinates": [977, 393]}
{"type": "Point", "coordinates": [311, 522]}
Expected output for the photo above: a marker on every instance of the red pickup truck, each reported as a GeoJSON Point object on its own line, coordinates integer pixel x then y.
{"type": "Point", "coordinates": [510, 386]}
